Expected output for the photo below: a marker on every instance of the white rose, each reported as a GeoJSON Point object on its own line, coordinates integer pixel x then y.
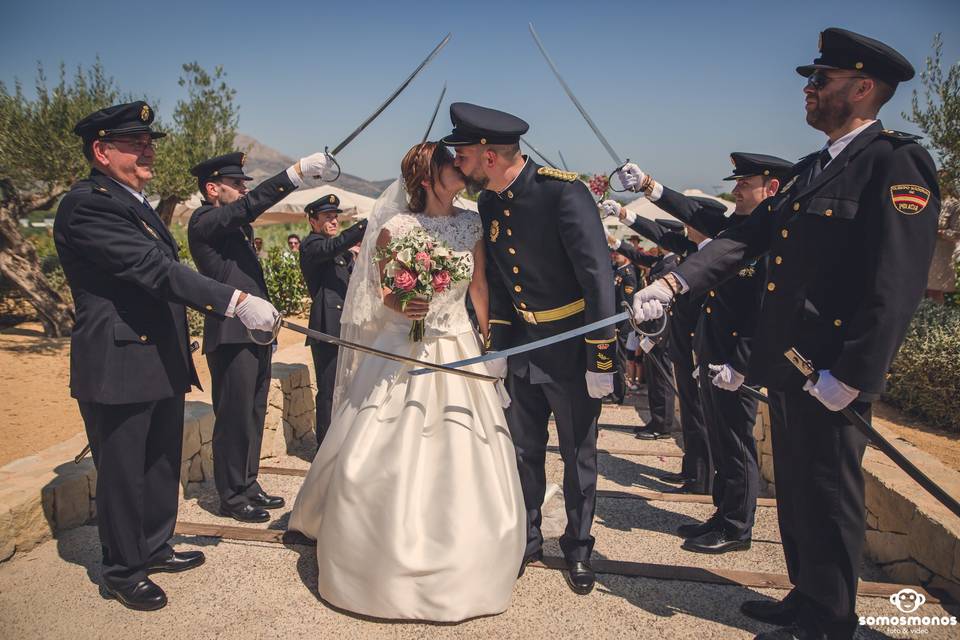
{"type": "Point", "coordinates": [405, 256]}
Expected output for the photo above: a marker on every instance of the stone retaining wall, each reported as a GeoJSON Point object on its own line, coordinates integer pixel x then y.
{"type": "Point", "coordinates": [47, 492]}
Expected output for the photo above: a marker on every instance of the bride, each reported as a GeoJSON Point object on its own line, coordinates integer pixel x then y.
{"type": "Point", "coordinates": [414, 496]}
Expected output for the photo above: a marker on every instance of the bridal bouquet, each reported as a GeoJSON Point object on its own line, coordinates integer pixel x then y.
{"type": "Point", "coordinates": [420, 267]}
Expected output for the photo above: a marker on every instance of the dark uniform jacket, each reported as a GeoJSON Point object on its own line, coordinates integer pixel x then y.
{"type": "Point", "coordinates": [326, 264]}
{"type": "Point", "coordinates": [130, 342]}
{"type": "Point", "coordinates": [848, 260]}
{"type": "Point", "coordinates": [221, 243]}
{"type": "Point", "coordinates": [546, 252]}
{"type": "Point", "coordinates": [728, 315]}
{"type": "Point", "coordinates": [625, 285]}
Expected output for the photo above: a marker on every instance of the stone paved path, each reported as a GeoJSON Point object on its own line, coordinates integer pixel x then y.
{"type": "Point", "coordinates": [266, 590]}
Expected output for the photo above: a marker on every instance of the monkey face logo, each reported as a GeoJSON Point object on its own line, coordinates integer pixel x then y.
{"type": "Point", "coordinates": [907, 600]}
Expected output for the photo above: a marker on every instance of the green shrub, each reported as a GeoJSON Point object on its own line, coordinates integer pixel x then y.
{"type": "Point", "coordinates": [925, 377]}
{"type": "Point", "coordinates": [288, 292]}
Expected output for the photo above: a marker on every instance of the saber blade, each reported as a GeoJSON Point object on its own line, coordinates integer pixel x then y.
{"type": "Point", "coordinates": [433, 118]}
{"type": "Point", "coordinates": [540, 155]}
{"type": "Point", "coordinates": [563, 162]}
{"type": "Point", "coordinates": [573, 98]}
{"type": "Point", "coordinates": [393, 96]}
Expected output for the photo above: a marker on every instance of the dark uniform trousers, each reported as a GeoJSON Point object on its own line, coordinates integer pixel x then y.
{"type": "Point", "coordinates": [135, 519]}
{"type": "Point", "coordinates": [660, 395]}
{"type": "Point", "coordinates": [576, 417]}
{"type": "Point", "coordinates": [325, 366]}
{"type": "Point", "coordinates": [697, 463]}
{"type": "Point", "coordinates": [620, 378]}
{"type": "Point", "coordinates": [130, 363]}
{"type": "Point", "coordinates": [221, 240]}
{"type": "Point", "coordinates": [240, 378]}
{"type": "Point", "coordinates": [851, 247]}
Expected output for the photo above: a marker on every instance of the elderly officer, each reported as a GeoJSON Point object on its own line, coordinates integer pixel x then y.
{"type": "Point", "coordinates": [130, 362]}
{"type": "Point", "coordinates": [326, 262]}
{"type": "Point", "coordinates": [548, 271]}
{"type": "Point", "coordinates": [221, 243]}
{"type": "Point", "coordinates": [850, 239]}
{"type": "Point", "coordinates": [696, 470]}
{"type": "Point", "coordinates": [722, 345]}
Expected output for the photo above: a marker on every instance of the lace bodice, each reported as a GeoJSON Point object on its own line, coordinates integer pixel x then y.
{"type": "Point", "coordinates": [459, 232]}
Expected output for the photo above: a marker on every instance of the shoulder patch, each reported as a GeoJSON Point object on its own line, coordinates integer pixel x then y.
{"type": "Point", "coordinates": [909, 199]}
{"type": "Point", "coordinates": [900, 136]}
{"type": "Point", "coordinates": [556, 174]}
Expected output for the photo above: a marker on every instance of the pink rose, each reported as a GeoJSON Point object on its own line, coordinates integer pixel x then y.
{"type": "Point", "coordinates": [423, 259]}
{"type": "Point", "coordinates": [405, 280]}
{"type": "Point", "coordinates": [441, 280]}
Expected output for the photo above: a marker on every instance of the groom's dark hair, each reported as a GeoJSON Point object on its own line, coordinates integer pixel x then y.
{"type": "Point", "coordinates": [505, 150]}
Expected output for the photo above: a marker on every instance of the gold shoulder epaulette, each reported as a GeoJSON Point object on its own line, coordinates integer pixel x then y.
{"type": "Point", "coordinates": [900, 135]}
{"type": "Point", "coordinates": [101, 190]}
{"type": "Point", "coordinates": [556, 174]}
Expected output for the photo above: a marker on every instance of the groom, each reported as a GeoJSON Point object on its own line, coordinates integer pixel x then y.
{"type": "Point", "coordinates": [548, 270]}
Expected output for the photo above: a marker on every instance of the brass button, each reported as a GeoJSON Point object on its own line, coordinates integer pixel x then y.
{"type": "Point", "coordinates": [516, 269]}
{"type": "Point", "coordinates": [517, 288]}
{"type": "Point", "coordinates": [708, 309]}
{"type": "Point", "coordinates": [733, 333]}
{"type": "Point", "coordinates": [339, 307]}
{"type": "Point", "coordinates": [778, 260]}
{"type": "Point", "coordinates": [713, 294]}
{"type": "Point", "coordinates": [523, 305]}
{"type": "Point", "coordinates": [143, 338]}
{"type": "Point", "coordinates": [512, 251]}
{"type": "Point", "coordinates": [506, 212]}
{"type": "Point", "coordinates": [280, 189]}
{"type": "Point", "coordinates": [771, 286]}
{"type": "Point", "coordinates": [796, 206]}
{"type": "Point", "coordinates": [691, 334]}
{"type": "Point", "coordinates": [209, 307]}
{"type": "Point", "coordinates": [769, 207]}
{"type": "Point", "coordinates": [510, 194]}
{"type": "Point", "coordinates": [784, 233]}
{"type": "Point", "coordinates": [509, 232]}
{"type": "Point", "coordinates": [828, 212]}
{"type": "Point", "coordinates": [837, 322]}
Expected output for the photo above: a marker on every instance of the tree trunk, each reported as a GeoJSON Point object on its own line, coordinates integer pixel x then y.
{"type": "Point", "coordinates": [165, 208]}
{"type": "Point", "coordinates": [19, 265]}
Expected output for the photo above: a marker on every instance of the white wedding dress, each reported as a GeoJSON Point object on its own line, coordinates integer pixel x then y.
{"type": "Point", "coordinates": [414, 496]}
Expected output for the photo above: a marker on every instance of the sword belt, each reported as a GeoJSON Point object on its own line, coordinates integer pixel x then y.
{"type": "Point", "coordinates": [552, 315]}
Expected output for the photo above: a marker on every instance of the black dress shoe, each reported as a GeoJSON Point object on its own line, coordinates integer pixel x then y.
{"type": "Point", "coordinates": [142, 596]}
{"type": "Point", "coordinates": [580, 576]}
{"type": "Point", "coordinates": [536, 556]}
{"type": "Point", "coordinates": [689, 486]}
{"type": "Point", "coordinates": [694, 530]}
{"type": "Point", "coordinates": [267, 502]}
{"type": "Point", "coordinates": [793, 632]}
{"type": "Point", "coordinates": [178, 562]}
{"type": "Point", "coordinates": [674, 478]}
{"type": "Point", "coordinates": [715, 542]}
{"type": "Point", "coordinates": [245, 513]}
{"type": "Point", "coordinates": [651, 434]}
{"type": "Point", "coordinates": [782, 612]}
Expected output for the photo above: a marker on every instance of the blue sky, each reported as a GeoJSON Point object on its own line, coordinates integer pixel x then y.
{"type": "Point", "coordinates": [674, 86]}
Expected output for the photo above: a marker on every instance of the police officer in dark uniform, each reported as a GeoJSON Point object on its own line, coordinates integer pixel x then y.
{"type": "Point", "coordinates": [625, 285]}
{"type": "Point", "coordinates": [722, 345]}
{"type": "Point", "coordinates": [548, 271]}
{"type": "Point", "coordinates": [850, 237]}
{"type": "Point", "coordinates": [326, 262]}
{"type": "Point", "coordinates": [697, 470]}
{"type": "Point", "coordinates": [130, 362]}
{"type": "Point", "coordinates": [221, 243]}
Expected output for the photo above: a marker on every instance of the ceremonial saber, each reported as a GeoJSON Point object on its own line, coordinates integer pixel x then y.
{"type": "Point", "coordinates": [563, 162]}
{"type": "Point", "coordinates": [386, 103]}
{"type": "Point", "coordinates": [433, 118]}
{"type": "Point", "coordinates": [346, 344]}
{"type": "Point", "coordinates": [541, 156]}
{"type": "Point", "coordinates": [576, 103]}
{"type": "Point", "coordinates": [805, 367]}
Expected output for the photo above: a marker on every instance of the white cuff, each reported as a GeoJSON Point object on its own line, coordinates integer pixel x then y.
{"type": "Point", "coordinates": [656, 192]}
{"type": "Point", "coordinates": [232, 307]}
{"type": "Point", "coordinates": [684, 287]}
{"type": "Point", "coordinates": [629, 217]}
{"type": "Point", "coordinates": [294, 176]}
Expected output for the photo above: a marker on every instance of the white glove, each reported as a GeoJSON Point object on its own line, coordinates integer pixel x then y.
{"type": "Point", "coordinates": [725, 377]}
{"type": "Point", "coordinates": [631, 177]}
{"type": "Point", "coordinates": [599, 385]}
{"type": "Point", "coordinates": [610, 209]}
{"type": "Point", "coordinates": [497, 367]}
{"type": "Point", "coordinates": [648, 303]}
{"type": "Point", "coordinates": [256, 314]}
{"type": "Point", "coordinates": [834, 394]}
{"type": "Point", "coordinates": [317, 168]}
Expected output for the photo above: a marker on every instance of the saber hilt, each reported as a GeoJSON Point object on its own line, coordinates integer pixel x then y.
{"type": "Point", "coordinates": [636, 325]}
{"type": "Point", "coordinates": [335, 163]}
{"type": "Point", "coordinates": [614, 172]}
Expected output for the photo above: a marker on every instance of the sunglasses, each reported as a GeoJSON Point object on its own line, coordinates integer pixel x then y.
{"type": "Point", "coordinates": [818, 79]}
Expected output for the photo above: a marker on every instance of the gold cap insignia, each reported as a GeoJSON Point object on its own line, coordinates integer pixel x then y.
{"type": "Point", "coordinates": [332, 199]}
{"type": "Point", "coordinates": [859, 65]}
{"type": "Point", "coordinates": [145, 113]}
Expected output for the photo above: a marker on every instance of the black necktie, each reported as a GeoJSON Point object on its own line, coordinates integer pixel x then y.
{"type": "Point", "coordinates": [817, 166]}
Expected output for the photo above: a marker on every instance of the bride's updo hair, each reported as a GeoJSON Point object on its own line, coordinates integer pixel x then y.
{"type": "Point", "coordinates": [423, 162]}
